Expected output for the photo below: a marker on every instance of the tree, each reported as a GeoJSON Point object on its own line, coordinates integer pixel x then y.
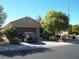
{"type": "Point", "coordinates": [2, 15]}
{"type": "Point", "coordinates": [39, 18]}
{"type": "Point", "coordinates": [75, 28]}
{"type": "Point", "coordinates": [11, 33]}
{"type": "Point", "coordinates": [55, 21]}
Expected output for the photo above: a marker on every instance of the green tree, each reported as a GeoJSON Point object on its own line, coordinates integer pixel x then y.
{"type": "Point", "coordinates": [39, 18]}
{"type": "Point", "coordinates": [2, 15]}
{"type": "Point", "coordinates": [55, 21]}
{"type": "Point", "coordinates": [75, 28]}
{"type": "Point", "coordinates": [11, 32]}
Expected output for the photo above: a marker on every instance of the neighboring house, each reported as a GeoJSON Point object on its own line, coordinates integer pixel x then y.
{"type": "Point", "coordinates": [27, 24]}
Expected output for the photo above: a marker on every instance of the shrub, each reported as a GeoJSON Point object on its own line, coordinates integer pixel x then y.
{"type": "Point", "coordinates": [11, 33]}
{"type": "Point", "coordinates": [15, 41]}
{"type": "Point", "coordinates": [54, 38]}
{"type": "Point", "coordinates": [45, 36]}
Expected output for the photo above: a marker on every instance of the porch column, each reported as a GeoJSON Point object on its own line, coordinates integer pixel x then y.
{"type": "Point", "coordinates": [38, 31]}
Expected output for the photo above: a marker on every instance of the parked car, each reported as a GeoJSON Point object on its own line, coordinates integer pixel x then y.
{"type": "Point", "coordinates": [30, 37]}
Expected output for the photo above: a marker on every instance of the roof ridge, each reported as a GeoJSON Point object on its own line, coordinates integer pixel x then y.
{"type": "Point", "coordinates": [23, 18]}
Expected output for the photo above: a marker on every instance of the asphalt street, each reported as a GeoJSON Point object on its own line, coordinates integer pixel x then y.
{"type": "Point", "coordinates": [61, 52]}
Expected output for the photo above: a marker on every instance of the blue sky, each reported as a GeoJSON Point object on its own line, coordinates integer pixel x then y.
{"type": "Point", "coordinates": [17, 9]}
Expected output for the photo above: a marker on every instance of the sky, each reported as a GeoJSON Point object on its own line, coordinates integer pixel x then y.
{"type": "Point", "coordinates": [17, 9]}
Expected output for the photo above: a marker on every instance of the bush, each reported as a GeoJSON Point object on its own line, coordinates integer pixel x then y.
{"type": "Point", "coordinates": [45, 36]}
{"type": "Point", "coordinates": [54, 38]}
{"type": "Point", "coordinates": [11, 33]}
{"type": "Point", "coordinates": [15, 41]}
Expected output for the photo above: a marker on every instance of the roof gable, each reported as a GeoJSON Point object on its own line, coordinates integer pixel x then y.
{"type": "Point", "coordinates": [26, 22]}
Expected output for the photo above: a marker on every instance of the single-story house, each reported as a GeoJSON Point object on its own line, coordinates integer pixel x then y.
{"type": "Point", "coordinates": [27, 24]}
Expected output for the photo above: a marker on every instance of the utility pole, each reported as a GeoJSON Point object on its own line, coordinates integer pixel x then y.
{"type": "Point", "coordinates": [69, 9]}
{"type": "Point", "coordinates": [69, 27]}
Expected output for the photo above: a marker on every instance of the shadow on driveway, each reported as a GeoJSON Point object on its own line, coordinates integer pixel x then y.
{"type": "Point", "coordinates": [24, 52]}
